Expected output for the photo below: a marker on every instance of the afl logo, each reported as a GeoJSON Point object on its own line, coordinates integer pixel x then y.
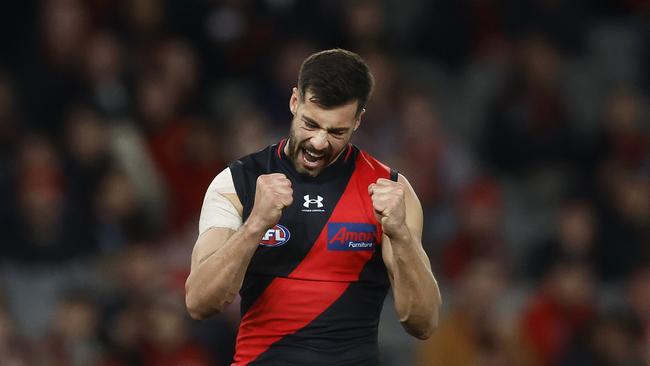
{"type": "Point", "coordinates": [275, 236]}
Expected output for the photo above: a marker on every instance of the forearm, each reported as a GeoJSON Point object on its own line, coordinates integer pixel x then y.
{"type": "Point", "coordinates": [416, 292]}
{"type": "Point", "coordinates": [217, 277]}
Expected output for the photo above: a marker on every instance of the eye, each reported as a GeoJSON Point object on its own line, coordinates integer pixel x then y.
{"type": "Point", "coordinates": [310, 125]}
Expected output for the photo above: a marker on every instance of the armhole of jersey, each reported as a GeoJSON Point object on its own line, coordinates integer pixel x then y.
{"type": "Point", "coordinates": [394, 175]}
{"type": "Point", "coordinates": [239, 180]}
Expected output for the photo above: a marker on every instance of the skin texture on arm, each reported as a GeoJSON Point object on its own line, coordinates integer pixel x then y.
{"type": "Point", "coordinates": [416, 292]}
{"type": "Point", "coordinates": [219, 262]}
{"type": "Point", "coordinates": [221, 256]}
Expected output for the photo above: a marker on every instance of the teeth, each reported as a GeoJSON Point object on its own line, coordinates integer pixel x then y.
{"type": "Point", "coordinates": [314, 155]}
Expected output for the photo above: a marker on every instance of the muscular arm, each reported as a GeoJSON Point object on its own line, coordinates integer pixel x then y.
{"type": "Point", "coordinates": [416, 292]}
{"type": "Point", "coordinates": [219, 262]}
{"type": "Point", "coordinates": [221, 255]}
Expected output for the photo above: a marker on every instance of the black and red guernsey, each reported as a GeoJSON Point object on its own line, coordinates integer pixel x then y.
{"type": "Point", "coordinates": [314, 289]}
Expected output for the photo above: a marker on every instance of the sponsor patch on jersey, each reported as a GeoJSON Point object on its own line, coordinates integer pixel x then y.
{"type": "Point", "coordinates": [351, 236]}
{"type": "Point", "coordinates": [275, 236]}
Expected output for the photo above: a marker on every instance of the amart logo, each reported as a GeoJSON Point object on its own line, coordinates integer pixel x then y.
{"type": "Point", "coordinates": [351, 236]}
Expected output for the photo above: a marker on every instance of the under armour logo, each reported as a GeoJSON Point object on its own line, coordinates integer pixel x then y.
{"type": "Point", "coordinates": [318, 201]}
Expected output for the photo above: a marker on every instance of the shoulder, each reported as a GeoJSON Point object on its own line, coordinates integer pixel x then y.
{"type": "Point", "coordinates": [366, 159]}
{"type": "Point", "coordinates": [245, 170]}
{"type": "Point", "coordinates": [257, 160]}
{"type": "Point", "coordinates": [408, 188]}
{"type": "Point", "coordinates": [222, 183]}
{"type": "Point", "coordinates": [222, 186]}
{"type": "Point", "coordinates": [221, 206]}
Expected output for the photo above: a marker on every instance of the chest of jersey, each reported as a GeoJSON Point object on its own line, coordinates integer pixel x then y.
{"type": "Point", "coordinates": [326, 234]}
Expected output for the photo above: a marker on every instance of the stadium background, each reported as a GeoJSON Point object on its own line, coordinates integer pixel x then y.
{"type": "Point", "coordinates": [523, 126]}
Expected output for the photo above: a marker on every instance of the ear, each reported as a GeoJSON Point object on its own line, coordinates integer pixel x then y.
{"type": "Point", "coordinates": [293, 101]}
{"type": "Point", "coordinates": [358, 122]}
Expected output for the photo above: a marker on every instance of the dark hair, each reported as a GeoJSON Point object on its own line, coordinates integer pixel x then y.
{"type": "Point", "coordinates": [336, 77]}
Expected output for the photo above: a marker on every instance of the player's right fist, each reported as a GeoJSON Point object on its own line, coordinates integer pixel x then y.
{"type": "Point", "coordinates": [273, 193]}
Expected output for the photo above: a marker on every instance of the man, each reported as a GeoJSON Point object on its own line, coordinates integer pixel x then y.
{"type": "Point", "coordinates": [311, 232]}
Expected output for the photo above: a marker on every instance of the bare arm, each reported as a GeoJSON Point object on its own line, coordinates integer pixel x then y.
{"type": "Point", "coordinates": [221, 256]}
{"type": "Point", "coordinates": [416, 292]}
{"type": "Point", "coordinates": [219, 262]}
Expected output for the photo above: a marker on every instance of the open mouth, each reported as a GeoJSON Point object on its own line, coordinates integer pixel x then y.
{"type": "Point", "coordinates": [312, 159]}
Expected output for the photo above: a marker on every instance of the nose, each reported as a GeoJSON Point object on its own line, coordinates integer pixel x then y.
{"type": "Point", "coordinates": [319, 141]}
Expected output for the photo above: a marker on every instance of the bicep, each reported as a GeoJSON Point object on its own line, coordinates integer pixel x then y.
{"type": "Point", "coordinates": [221, 216]}
{"type": "Point", "coordinates": [208, 243]}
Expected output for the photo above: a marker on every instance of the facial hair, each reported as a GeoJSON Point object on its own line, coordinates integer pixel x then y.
{"type": "Point", "coordinates": [295, 146]}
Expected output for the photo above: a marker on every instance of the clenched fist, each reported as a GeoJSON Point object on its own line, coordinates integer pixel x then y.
{"type": "Point", "coordinates": [388, 201]}
{"type": "Point", "coordinates": [273, 193]}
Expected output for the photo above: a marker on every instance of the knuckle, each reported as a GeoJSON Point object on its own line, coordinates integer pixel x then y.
{"type": "Point", "coordinates": [262, 179]}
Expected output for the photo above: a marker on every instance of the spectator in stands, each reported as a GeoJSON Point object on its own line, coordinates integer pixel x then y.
{"type": "Point", "coordinates": [167, 341]}
{"type": "Point", "coordinates": [14, 350]}
{"type": "Point", "coordinates": [611, 340]}
{"type": "Point", "coordinates": [638, 302]}
{"type": "Point", "coordinates": [474, 332]}
{"type": "Point", "coordinates": [625, 217]}
{"type": "Point", "coordinates": [73, 337]}
{"type": "Point", "coordinates": [104, 76]}
{"type": "Point", "coordinates": [47, 228]}
{"type": "Point", "coordinates": [480, 230]}
{"type": "Point", "coordinates": [527, 125]}
{"type": "Point", "coordinates": [573, 237]}
{"type": "Point", "coordinates": [559, 310]}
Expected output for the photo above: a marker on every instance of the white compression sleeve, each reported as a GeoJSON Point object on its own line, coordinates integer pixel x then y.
{"type": "Point", "coordinates": [217, 210]}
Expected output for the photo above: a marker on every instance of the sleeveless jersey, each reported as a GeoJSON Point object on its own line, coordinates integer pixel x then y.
{"type": "Point", "coordinates": [314, 289]}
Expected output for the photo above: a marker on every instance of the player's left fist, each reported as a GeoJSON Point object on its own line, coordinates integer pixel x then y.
{"type": "Point", "coordinates": [388, 201]}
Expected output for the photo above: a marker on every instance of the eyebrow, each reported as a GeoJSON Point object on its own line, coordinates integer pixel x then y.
{"type": "Point", "coordinates": [334, 130]}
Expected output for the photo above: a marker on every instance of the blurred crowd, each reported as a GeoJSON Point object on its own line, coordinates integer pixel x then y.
{"type": "Point", "coordinates": [524, 127]}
